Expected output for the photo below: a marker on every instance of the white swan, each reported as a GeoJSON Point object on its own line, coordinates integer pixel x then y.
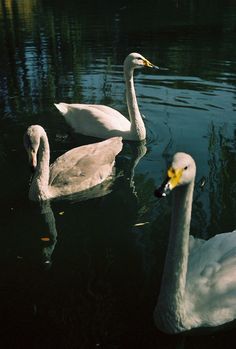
{"type": "Point", "coordinates": [105, 122]}
{"type": "Point", "coordinates": [77, 170]}
{"type": "Point", "coordinates": [199, 279]}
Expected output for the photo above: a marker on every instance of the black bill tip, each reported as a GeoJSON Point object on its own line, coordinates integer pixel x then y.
{"type": "Point", "coordinates": [163, 190]}
{"type": "Point", "coordinates": [159, 193]}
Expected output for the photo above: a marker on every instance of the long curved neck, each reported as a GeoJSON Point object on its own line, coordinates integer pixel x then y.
{"type": "Point", "coordinates": [39, 186]}
{"type": "Point", "coordinates": [137, 124]}
{"type": "Point", "coordinates": [170, 311]}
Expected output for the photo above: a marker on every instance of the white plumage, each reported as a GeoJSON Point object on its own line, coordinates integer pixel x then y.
{"type": "Point", "coordinates": [77, 170]}
{"type": "Point", "coordinates": [199, 279]}
{"type": "Point", "coordinates": [104, 122]}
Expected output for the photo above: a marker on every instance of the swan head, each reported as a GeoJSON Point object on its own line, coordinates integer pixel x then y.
{"type": "Point", "coordinates": [181, 172]}
{"type": "Point", "coordinates": [31, 143]}
{"type": "Point", "coordinates": [136, 60]}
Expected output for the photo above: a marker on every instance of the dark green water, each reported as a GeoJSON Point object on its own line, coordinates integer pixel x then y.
{"type": "Point", "coordinates": [105, 273]}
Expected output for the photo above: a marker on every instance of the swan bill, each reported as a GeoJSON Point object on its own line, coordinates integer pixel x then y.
{"type": "Point", "coordinates": [163, 190]}
{"type": "Point", "coordinates": [174, 176]}
{"type": "Point", "coordinates": [150, 65]}
{"type": "Point", "coordinates": [171, 181]}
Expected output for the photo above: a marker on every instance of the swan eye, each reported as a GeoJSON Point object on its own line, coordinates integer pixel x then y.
{"type": "Point", "coordinates": [27, 142]}
{"type": "Point", "coordinates": [186, 167]}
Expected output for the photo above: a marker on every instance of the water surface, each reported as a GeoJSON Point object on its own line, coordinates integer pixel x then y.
{"type": "Point", "coordinates": [103, 279]}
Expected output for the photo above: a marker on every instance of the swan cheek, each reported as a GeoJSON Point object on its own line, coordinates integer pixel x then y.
{"type": "Point", "coordinates": [32, 159]}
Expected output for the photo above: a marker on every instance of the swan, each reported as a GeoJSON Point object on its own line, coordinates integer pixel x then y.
{"type": "Point", "coordinates": [104, 122]}
{"type": "Point", "coordinates": [198, 288]}
{"type": "Point", "coordinates": [78, 169]}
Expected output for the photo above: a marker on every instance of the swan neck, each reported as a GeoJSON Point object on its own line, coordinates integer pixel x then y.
{"type": "Point", "coordinates": [39, 185]}
{"type": "Point", "coordinates": [137, 124]}
{"type": "Point", "coordinates": [170, 307]}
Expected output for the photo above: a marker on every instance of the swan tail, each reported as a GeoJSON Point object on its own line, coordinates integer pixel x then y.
{"type": "Point", "coordinates": [119, 144]}
{"type": "Point", "coordinates": [116, 143]}
{"type": "Point", "coordinates": [62, 107]}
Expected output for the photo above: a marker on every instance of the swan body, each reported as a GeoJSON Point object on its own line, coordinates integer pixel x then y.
{"type": "Point", "coordinates": [199, 279]}
{"type": "Point", "coordinates": [77, 170]}
{"type": "Point", "coordinates": [104, 122]}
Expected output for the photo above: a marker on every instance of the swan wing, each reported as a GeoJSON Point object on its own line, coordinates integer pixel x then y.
{"type": "Point", "coordinates": [211, 280]}
{"type": "Point", "coordinates": [205, 252]}
{"type": "Point", "coordinates": [84, 166]}
{"type": "Point", "coordinates": [94, 120]}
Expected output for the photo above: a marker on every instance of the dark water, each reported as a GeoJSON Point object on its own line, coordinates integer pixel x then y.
{"type": "Point", "coordinates": [101, 285]}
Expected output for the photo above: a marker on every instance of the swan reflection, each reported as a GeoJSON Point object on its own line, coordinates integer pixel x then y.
{"type": "Point", "coordinates": [48, 237]}
{"type": "Point", "coordinates": [37, 244]}
{"type": "Point", "coordinates": [199, 280]}
{"type": "Point", "coordinates": [44, 232]}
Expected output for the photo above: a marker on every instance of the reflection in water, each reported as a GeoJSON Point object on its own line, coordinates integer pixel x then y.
{"type": "Point", "coordinates": [93, 258]}
{"type": "Point", "coordinates": [199, 282]}
{"type": "Point", "coordinates": [46, 58]}
{"type": "Point", "coordinates": [222, 186]}
{"type": "Point", "coordinates": [23, 273]}
{"type": "Point", "coordinates": [46, 234]}
{"type": "Point", "coordinates": [137, 152]}
{"type": "Point", "coordinates": [103, 282]}
{"type": "Point", "coordinates": [48, 237]}
{"type": "Point", "coordinates": [37, 241]}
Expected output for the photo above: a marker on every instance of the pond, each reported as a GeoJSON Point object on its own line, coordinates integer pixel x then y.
{"type": "Point", "coordinates": [87, 273]}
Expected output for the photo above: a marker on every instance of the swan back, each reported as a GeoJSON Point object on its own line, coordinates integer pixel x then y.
{"type": "Point", "coordinates": [83, 167]}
